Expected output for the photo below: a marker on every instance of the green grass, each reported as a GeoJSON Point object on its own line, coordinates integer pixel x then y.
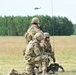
{"type": "Point", "coordinates": [11, 53]}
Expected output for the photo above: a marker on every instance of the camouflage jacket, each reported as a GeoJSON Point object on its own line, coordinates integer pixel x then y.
{"type": "Point", "coordinates": [46, 48]}
{"type": "Point", "coordinates": [33, 49]}
{"type": "Point", "coordinates": [33, 29]}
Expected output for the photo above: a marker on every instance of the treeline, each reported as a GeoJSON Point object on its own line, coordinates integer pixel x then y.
{"type": "Point", "coordinates": [18, 25]}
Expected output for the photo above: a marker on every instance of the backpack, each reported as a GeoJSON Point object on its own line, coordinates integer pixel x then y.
{"type": "Point", "coordinates": [30, 33]}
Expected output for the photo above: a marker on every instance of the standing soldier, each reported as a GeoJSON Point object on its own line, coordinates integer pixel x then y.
{"type": "Point", "coordinates": [33, 29]}
{"type": "Point", "coordinates": [32, 54]}
{"type": "Point", "coordinates": [46, 50]}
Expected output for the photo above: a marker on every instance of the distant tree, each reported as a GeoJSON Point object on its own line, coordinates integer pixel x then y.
{"type": "Point", "coordinates": [3, 27]}
{"type": "Point", "coordinates": [45, 23]}
{"type": "Point", "coordinates": [66, 26]}
{"type": "Point", "coordinates": [18, 24]}
{"type": "Point", "coordinates": [11, 29]}
{"type": "Point", "coordinates": [55, 26]}
{"type": "Point", "coordinates": [62, 26]}
{"type": "Point", "coordinates": [74, 29]}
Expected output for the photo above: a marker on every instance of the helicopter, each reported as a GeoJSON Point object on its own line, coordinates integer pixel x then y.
{"type": "Point", "coordinates": [37, 8]}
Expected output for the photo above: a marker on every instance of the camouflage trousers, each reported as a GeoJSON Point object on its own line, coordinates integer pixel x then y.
{"type": "Point", "coordinates": [44, 64]}
{"type": "Point", "coordinates": [42, 67]}
{"type": "Point", "coordinates": [29, 65]}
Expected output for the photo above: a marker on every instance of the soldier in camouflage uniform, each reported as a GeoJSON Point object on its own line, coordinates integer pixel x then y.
{"type": "Point", "coordinates": [32, 54]}
{"type": "Point", "coordinates": [46, 50]}
{"type": "Point", "coordinates": [33, 29]}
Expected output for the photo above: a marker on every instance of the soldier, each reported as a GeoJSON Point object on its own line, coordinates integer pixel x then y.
{"type": "Point", "coordinates": [32, 54]}
{"type": "Point", "coordinates": [46, 50]}
{"type": "Point", "coordinates": [33, 29]}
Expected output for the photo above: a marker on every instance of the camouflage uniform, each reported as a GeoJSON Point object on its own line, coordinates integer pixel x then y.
{"type": "Point", "coordinates": [33, 29]}
{"type": "Point", "coordinates": [32, 54]}
{"type": "Point", "coordinates": [46, 46]}
{"type": "Point", "coordinates": [46, 50]}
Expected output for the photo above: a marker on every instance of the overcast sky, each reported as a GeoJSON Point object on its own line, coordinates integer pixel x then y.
{"type": "Point", "coordinates": [62, 8]}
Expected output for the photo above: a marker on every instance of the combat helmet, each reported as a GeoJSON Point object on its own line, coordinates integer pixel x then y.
{"type": "Point", "coordinates": [35, 20]}
{"type": "Point", "coordinates": [46, 34]}
{"type": "Point", "coordinates": [38, 36]}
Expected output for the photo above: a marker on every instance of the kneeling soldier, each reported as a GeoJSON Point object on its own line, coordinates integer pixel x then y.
{"type": "Point", "coordinates": [32, 54]}
{"type": "Point", "coordinates": [46, 50]}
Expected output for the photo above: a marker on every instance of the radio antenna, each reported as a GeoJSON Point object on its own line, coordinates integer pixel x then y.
{"type": "Point", "coordinates": [52, 22]}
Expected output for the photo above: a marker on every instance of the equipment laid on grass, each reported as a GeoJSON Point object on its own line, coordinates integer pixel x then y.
{"type": "Point", "coordinates": [54, 67]}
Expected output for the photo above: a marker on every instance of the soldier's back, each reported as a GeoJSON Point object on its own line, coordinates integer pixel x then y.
{"type": "Point", "coordinates": [33, 29]}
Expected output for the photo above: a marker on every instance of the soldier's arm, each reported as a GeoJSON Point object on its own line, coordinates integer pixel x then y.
{"type": "Point", "coordinates": [37, 53]}
{"type": "Point", "coordinates": [37, 49]}
{"type": "Point", "coordinates": [52, 53]}
{"type": "Point", "coordinates": [53, 57]}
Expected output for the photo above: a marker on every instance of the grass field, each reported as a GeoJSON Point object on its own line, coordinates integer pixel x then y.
{"type": "Point", "coordinates": [11, 53]}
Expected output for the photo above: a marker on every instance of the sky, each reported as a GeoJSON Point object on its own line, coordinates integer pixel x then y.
{"type": "Point", "coordinates": [62, 8]}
